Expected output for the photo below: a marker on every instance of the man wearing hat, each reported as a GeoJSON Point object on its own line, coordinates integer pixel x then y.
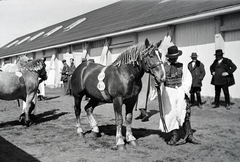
{"type": "Point", "coordinates": [64, 76]}
{"type": "Point", "coordinates": [71, 69]}
{"type": "Point", "coordinates": [222, 77]}
{"type": "Point", "coordinates": [175, 96]}
{"type": "Point", "coordinates": [198, 72]}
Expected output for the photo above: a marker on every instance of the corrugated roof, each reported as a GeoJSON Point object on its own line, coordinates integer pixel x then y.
{"type": "Point", "coordinates": [117, 17]}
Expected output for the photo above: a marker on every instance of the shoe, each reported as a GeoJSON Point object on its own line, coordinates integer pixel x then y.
{"type": "Point", "coordinates": [139, 117]}
{"type": "Point", "coordinates": [193, 140]}
{"type": "Point", "coordinates": [213, 103]}
{"type": "Point", "coordinates": [145, 118]}
{"type": "Point", "coordinates": [228, 107]}
{"type": "Point", "coordinates": [215, 106]}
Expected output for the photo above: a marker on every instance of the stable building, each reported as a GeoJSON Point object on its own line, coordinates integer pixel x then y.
{"type": "Point", "coordinates": [194, 26]}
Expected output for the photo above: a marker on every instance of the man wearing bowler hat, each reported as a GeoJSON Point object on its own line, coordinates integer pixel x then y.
{"type": "Point", "coordinates": [198, 72]}
{"type": "Point", "coordinates": [222, 77]}
{"type": "Point", "coordinates": [175, 99]}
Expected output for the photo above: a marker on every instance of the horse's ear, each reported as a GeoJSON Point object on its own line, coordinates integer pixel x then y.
{"type": "Point", "coordinates": [147, 43]}
{"type": "Point", "coordinates": [159, 43]}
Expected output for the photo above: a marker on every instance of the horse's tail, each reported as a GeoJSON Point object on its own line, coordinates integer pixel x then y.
{"type": "Point", "coordinates": [18, 102]}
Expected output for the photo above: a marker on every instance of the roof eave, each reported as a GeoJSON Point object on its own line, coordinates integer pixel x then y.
{"type": "Point", "coordinates": [139, 29]}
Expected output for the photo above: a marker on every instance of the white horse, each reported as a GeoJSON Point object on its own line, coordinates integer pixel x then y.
{"type": "Point", "coordinates": [15, 67]}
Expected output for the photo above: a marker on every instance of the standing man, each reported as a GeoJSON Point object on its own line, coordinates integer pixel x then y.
{"type": "Point", "coordinates": [222, 77]}
{"type": "Point", "coordinates": [70, 72]}
{"type": "Point", "coordinates": [175, 99]}
{"type": "Point", "coordinates": [198, 72]}
{"type": "Point", "coordinates": [64, 76]}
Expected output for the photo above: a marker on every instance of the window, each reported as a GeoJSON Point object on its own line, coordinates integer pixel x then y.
{"type": "Point", "coordinates": [74, 24]}
{"type": "Point", "coordinates": [52, 31]}
{"type": "Point", "coordinates": [34, 37]}
{"type": "Point", "coordinates": [23, 40]}
{"type": "Point", "coordinates": [163, 1]}
{"type": "Point", "coordinates": [12, 43]}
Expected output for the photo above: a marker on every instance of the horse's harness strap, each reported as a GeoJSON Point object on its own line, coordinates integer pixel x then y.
{"type": "Point", "coordinates": [101, 85]}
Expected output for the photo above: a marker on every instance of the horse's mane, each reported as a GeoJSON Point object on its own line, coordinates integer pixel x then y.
{"type": "Point", "coordinates": [129, 56]}
{"type": "Point", "coordinates": [34, 65]}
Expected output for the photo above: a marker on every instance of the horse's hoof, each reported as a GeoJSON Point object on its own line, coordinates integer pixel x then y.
{"type": "Point", "coordinates": [28, 123]}
{"type": "Point", "coordinates": [95, 134]}
{"type": "Point", "coordinates": [133, 143]}
{"type": "Point", "coordinates": [21, 119]}
{"type": "Point", "coordinates": [81, 134]}
{"type": "Point", "coordinates": [121, 147]}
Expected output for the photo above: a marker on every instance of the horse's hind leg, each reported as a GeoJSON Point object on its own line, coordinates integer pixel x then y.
{"type": "Point", "coordinates": [77, 109]}
{"type": "Point", "coordinates": [129, 136]}
{"type": "Point", "coordinates": [93, 123]}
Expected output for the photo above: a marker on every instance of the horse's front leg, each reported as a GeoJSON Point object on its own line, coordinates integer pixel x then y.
{"type": "Point", "coordinates": [32, 109]}
{"type": "Point", "coordinates": [93, 123]}
{"type": "Point", "coordinates": [129, 136]}
{"type": "Point", "coordinates": [117, 104]}
{"type": "Point", "coordinates": [29, 99]}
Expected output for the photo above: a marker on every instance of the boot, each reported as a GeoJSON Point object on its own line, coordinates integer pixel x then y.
{"type": "Point", "coordinates": [174, 138]}
{"type": "Point", "coordinates": [216, 102]}
{"type": "Point", "coordinates": [193, 140]}
{"type": "Point", "coordinates": [143, 115]}
{"type": "Point", "coordinates": [199, 100]}
{"type": "Point", "coordinates": [227, 101]}
{"type": "Point", "coordinates": [188, 134]}
{"type": "Point", "coordinates": [192, 99]}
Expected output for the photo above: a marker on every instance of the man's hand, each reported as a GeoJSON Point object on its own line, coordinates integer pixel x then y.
{"type": "Point", "coordinates": [213, 73]}
{"type": "Point", "coordinates": [225, 74]}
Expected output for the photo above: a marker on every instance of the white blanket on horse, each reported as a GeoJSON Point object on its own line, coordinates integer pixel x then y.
{"type": "Point", "coordinates": [174, 103]}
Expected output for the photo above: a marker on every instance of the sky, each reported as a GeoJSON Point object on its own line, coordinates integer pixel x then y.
{"type": "Point", "coordinates": [20, 17]}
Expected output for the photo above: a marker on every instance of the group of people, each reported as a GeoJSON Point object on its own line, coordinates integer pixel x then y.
{"type": "Point", "coordinates": [182, 84]}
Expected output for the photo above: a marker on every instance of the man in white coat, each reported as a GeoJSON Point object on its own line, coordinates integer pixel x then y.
{"type": "Point", "coordinates": [175, 98]}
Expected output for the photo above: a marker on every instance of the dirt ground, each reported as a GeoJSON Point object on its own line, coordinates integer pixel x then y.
{"type": "Point", "coordinates": [54, 139]}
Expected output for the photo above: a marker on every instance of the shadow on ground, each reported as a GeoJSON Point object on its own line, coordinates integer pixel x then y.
{"type": "Point", "coordinates": [10, 152]}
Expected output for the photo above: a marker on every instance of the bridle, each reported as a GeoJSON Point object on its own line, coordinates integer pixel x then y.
{"type": "Point", "coordinates": [149, 67]}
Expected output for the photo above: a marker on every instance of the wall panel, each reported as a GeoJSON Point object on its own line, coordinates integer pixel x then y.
{"type": "Point", "coordinates": [195, 33]}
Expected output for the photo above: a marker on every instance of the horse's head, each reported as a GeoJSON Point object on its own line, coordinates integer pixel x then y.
{"type": "Point", "coordinates": [39, 67]}
{"type": "Point", "coordinates": [22, 60]}
{"type": "Point", "coordinates": [152, 63]}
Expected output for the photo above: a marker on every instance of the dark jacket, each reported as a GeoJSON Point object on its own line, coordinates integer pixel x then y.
{"type": "Point", "coordinates": [65, 70]}
{"type": "Point", "coordinates": [72, 67]}
{"type": "Point", "coordinates": [225, 66]}
{"type": "Point", "coordinates": [198, 73]}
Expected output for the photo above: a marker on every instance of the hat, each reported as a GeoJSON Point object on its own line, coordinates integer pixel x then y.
{"type": "Point", "coordinates": [91, 60]}
{"type": "Point", "coordinates": [63, 60]}
{"type": "Point", "coordinates": [84, 59]}
{"type": "Point", "coordinates": [219, 52]}
{"type": "Point", "coordinates": [173, 52]}
{"type": "Point", "coordinates": [194, 54]}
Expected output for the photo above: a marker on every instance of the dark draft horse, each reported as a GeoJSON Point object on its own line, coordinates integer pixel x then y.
{"type": "Point", "coordinates": [118, 83]}
{"type": "Point", "coordinates": [23, 85]}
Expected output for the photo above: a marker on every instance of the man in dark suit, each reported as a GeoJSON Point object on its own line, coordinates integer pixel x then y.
{"type": "Point", "coordinates": [222, 77]}
{"type": "Point", "coordinates": [198, 72]}
{"type": "Point", "coordinates": [64, 76]}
